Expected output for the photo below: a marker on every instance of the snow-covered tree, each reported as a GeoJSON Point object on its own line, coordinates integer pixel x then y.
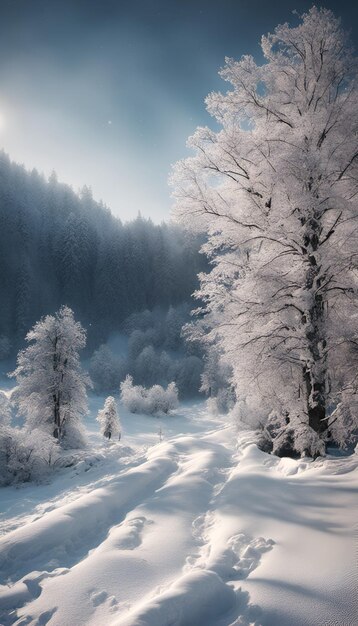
{"type": "Point", "coordinates": [109, 420]}
{"type": "Point", "coordinates": [51, 391]}
{"type": "Point", "coordinates": [275, 189]}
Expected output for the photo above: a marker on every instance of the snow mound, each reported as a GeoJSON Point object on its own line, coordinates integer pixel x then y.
{"type": "Point", "coordinates": [62, 535]}
{"type": "Point", "coordinates": [199, 597]}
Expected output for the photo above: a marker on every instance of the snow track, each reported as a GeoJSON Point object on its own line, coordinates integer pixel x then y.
{"type": "Point", "coordinates": [65, 533]}
{"type": "Point", "coordinates": [200, 532]}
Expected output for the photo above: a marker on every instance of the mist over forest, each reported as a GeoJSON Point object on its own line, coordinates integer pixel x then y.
{"type": "Point", "coordinates": [58, 247]}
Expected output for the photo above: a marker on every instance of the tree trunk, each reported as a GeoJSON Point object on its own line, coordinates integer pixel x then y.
{"type": "Point", "coordinates": [57, 416]}
{"type": "Point", "coordinates": [315, 370]}
{"type": "Point", "coordinates": [56, 396]}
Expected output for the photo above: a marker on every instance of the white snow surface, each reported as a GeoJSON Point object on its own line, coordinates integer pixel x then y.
{"type": "Point", "coordinates": [199, 529]}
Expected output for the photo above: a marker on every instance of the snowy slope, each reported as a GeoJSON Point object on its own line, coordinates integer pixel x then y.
{"type": "Point", "coordinates": [194, 530]}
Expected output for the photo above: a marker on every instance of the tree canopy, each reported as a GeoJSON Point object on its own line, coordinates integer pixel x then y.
{"type": "Point", "coordinates": [275, 189]}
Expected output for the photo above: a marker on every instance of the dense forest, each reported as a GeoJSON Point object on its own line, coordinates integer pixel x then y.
{"type": "Point", "coordinates": [57, 247]}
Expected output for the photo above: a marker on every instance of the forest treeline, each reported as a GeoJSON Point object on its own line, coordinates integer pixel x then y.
{"type": "Point", "coordinates": [58, 247]}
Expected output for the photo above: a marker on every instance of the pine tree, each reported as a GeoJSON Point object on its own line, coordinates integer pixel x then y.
{"type": "Point", "coordinates": [109, 420]}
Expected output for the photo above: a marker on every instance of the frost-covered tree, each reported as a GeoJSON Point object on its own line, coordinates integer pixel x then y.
{"type": "Point", "coordinates": [24, 455]}
{"type": "Point", "coordinates": [276, 191]}
{"type": "Point", "coordinates": [109, 420]}
{"type": "Point", "coordinates": [51, 391]}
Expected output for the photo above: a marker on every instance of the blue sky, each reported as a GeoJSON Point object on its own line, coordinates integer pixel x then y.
{"type": "Point", "coordinates": [106, 92]}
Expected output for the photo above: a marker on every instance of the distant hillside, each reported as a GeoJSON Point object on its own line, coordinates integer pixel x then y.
{"type": "Point", "coordinates": [57, 247]}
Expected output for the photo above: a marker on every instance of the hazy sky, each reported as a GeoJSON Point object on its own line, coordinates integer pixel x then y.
{"type": "Point", "coordinates": [106, 92]}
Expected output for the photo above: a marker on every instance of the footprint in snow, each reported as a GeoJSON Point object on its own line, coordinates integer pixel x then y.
{"type": "Point", "coordinates": [240, 557]}
{"type": "Point", "coordinates": [246, 555]}
{"type": "Point", "coordinates": [98, 597]}
{"type": "Point", "coordinates": [128, 535]}
{"type": "Point", "coordinates": [101, 597]}
{"type": "Point", "coordinates": [236, 561]}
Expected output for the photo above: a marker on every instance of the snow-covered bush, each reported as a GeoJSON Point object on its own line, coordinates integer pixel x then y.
{"type": "Point", "coordinates": [156, 399]}
{"type": "Point", "coordinates": [297, 436]}
{"type": "Point", "coordinates": [109, 420]}
{"type": "Point", "coordinates": [286, 435]}
{"type": "Point", "coordinates": [131, 395]}
{"type": "Point", "coordinates": [162, 400]}
{"type": "Point", "coordinates": [24, 455]}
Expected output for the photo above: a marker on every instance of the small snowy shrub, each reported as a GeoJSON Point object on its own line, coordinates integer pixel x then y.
{"type": "Point", "coordinates": [307, 442]}
{"type": "Point", "coordinates": [109, 420]}
{"type": "Point", "coordinates": [291, 436]}
{"type": "Point", "coordinates": [25, 455]}
{"type": "Point", "coordinates": [132, 396]}
{"type": "Point", "coordinates": [162, 400]}
{"type": "Point", "coordinates": [156, 399]}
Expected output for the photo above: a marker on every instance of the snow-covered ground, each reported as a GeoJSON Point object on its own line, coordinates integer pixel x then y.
{"type": "Point", "coordinates": [198, 529]}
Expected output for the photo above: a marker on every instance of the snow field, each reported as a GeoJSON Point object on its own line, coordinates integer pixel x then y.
{"type": "Point", "coordinates": [198, 530]}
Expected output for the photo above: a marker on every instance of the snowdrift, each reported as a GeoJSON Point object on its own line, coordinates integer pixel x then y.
{"type": "Point", "coordinates": [198, 530]}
